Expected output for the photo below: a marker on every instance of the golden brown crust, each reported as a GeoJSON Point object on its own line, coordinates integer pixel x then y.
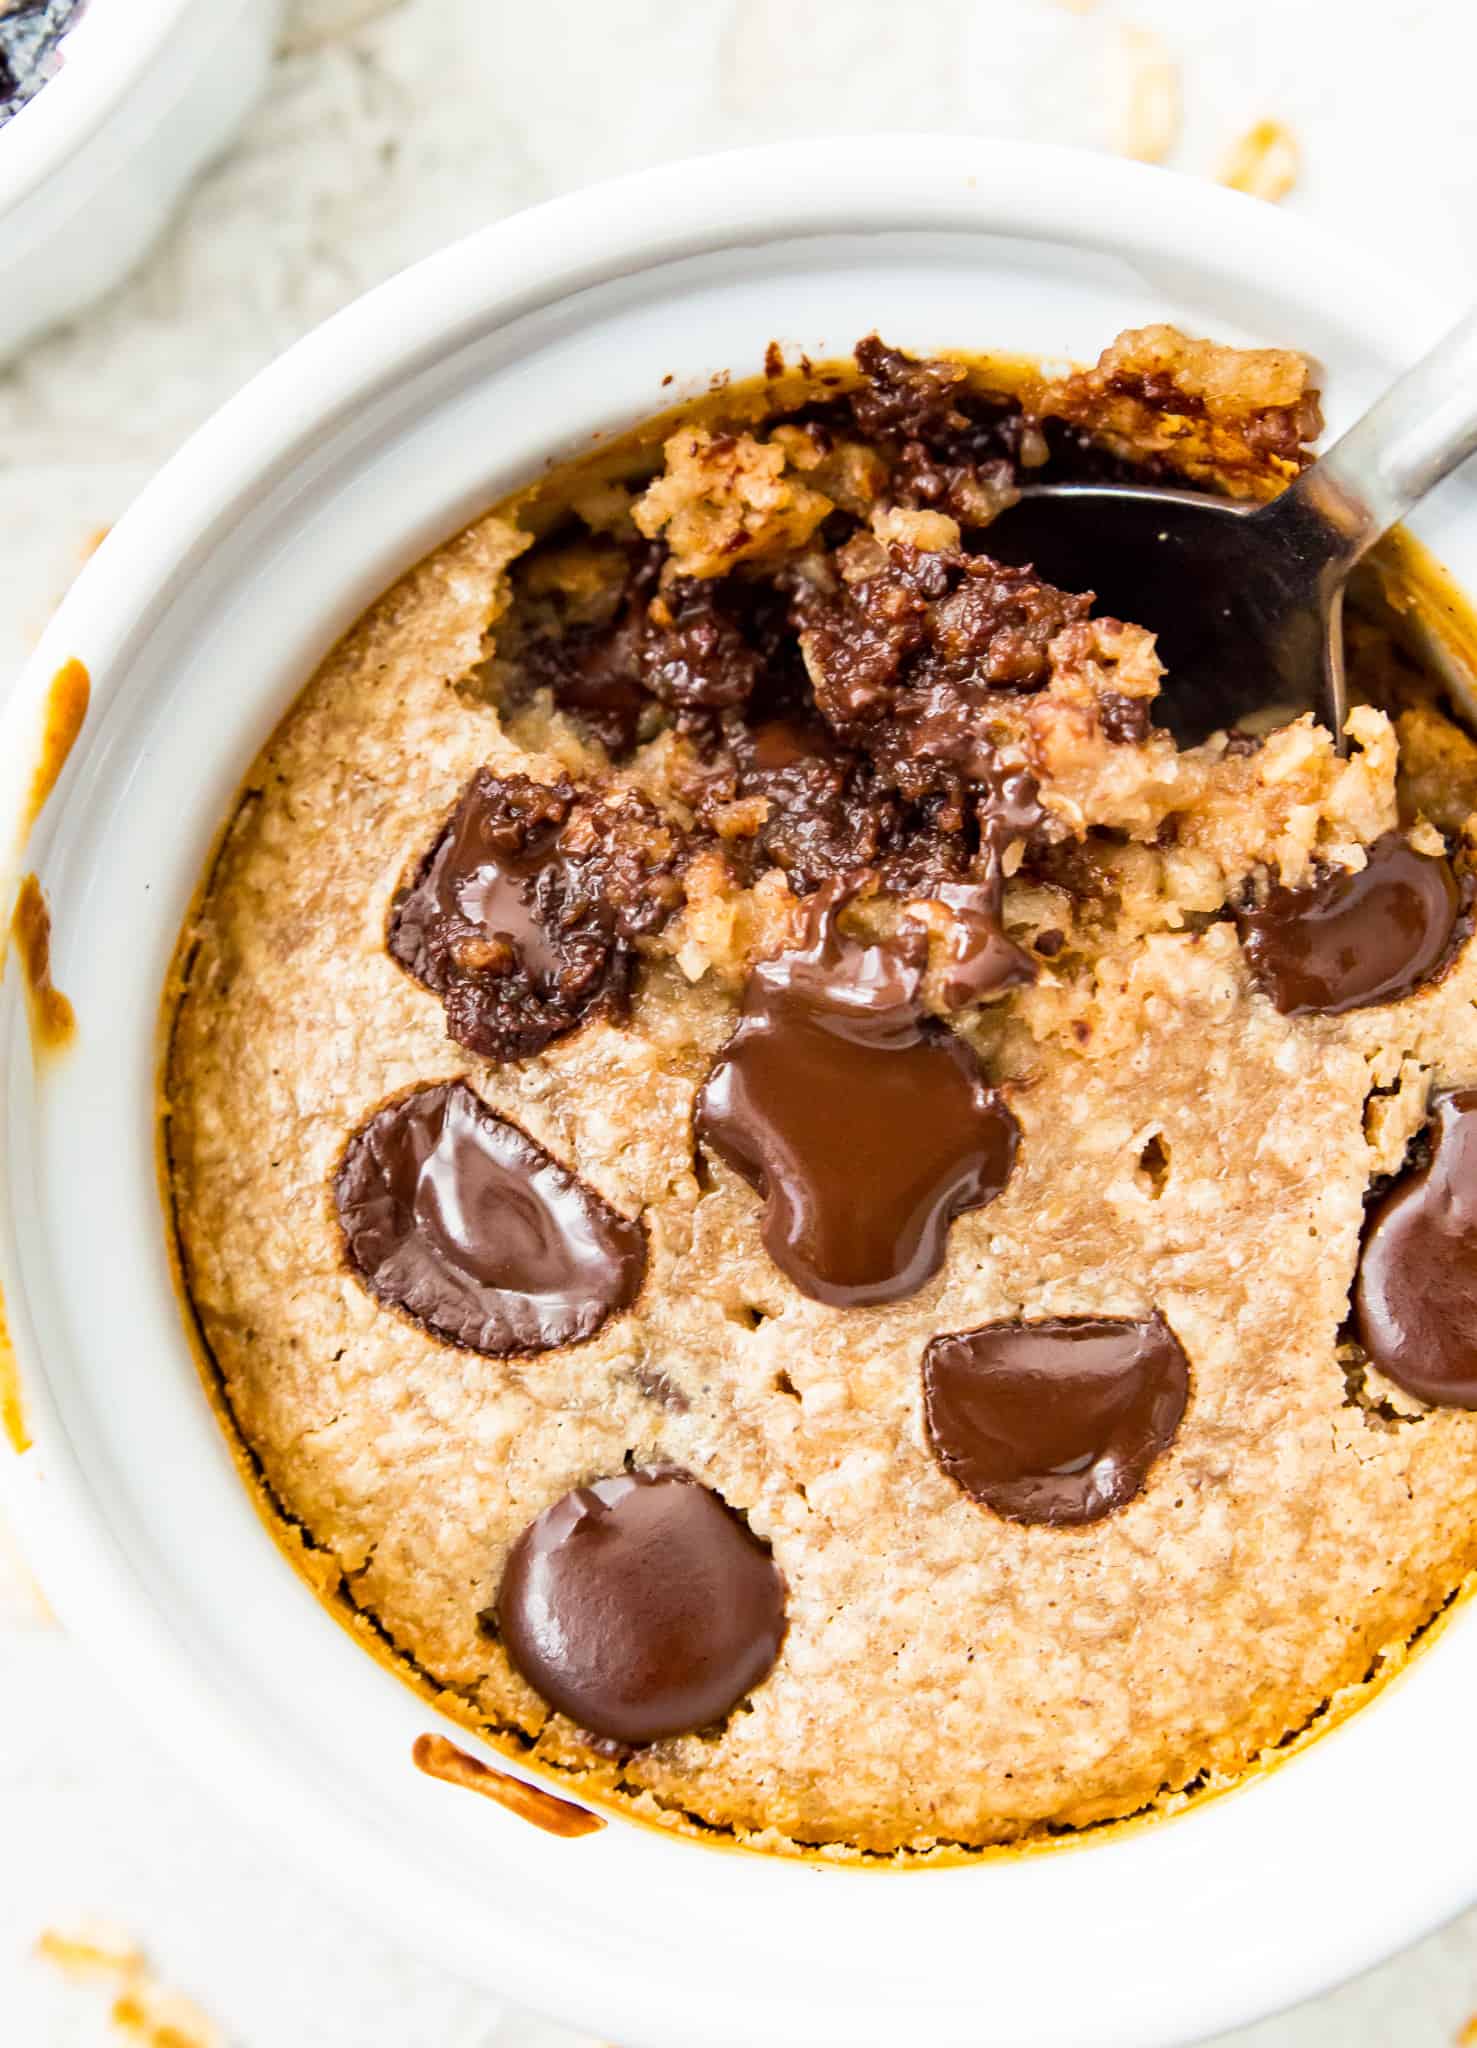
{"type": "Point", "coordinates": [726, 499]}
{"type": "Point", "coordinates": [1239, 418]}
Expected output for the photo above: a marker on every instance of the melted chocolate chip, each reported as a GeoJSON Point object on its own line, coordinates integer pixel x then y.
{"type": "Point", "coordinates": [1124, 720]}
{"type": "Point", "coordinates": [905, 398]}
{"type": "Point", "coordinates": [524, 912]}
{"type": "Point", "coordinates": [904, 661]}
{"type": "Point", "coordinates": [457, 1217]}
{"type": "Point", "coordinates": [1054, 1421]}
{"type": "Point", "coordinates": [866, 1125]}
{"type": "Point", "coordinates": [696, 653]}
{"type": "Point", "coordinates": [980, 959]}
{"type": "Point", "coordinates": [641, 1606]}
{"type": "Point", "coordinates": [591, 671]}
{"type": "Point", "coordinates": [781, 743]}
{"type": "Point", "coordinates": [1349, 940]}
{"type": "Point", "coordinates": [948, 446]}
{"type": "Point", "coordinates": [826, 816]}
{"type": "Point", "coordinates": [592, 666]}
{"type": "Point", "coordinates": [1415, 1296]}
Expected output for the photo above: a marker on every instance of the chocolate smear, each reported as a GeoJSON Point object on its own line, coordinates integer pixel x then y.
{"type": "Point", "coordinates": [981, 960]}
{"type": "Point", "coordinates": [523, 915]}
{"type": "Point", "coordinates": [591, 672]}
{"type": "Point", "coordinates": [641, 1606]}
{"type": "Point", "coordinates": [1350, 940]}
{"type": "Point", "coordinates": [445, 1760]}
{"type": "Point", "coordinates": [457, 1217]}
{"type": "Point", "coordinates": [865, 1124]}
{"type": "Point", "coordinates": [53, 1020]}
{"type": "Point", "coordinates": [1415, 1294]}
{"type": "Point", "coordinates": [592, 668]}
{"type": "Point", "coordinates": [1056, 1421]}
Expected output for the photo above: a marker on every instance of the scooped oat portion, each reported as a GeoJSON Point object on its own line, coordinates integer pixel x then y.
{"type": "Point", "coordinates": [824, 1231]}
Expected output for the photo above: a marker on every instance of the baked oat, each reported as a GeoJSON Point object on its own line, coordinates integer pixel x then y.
{"type": "Point", "coordinates": [774, 1177]}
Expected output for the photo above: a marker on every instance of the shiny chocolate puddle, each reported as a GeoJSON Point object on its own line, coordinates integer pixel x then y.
{"type": "Point", "coordinates": [523, 913]}
{"type": "Point", "coordinates": [1348, 940]}
{"type": "Point", "coordinates": [641, 1606]}
{"type": "Point", "coordinates": [1415, 1295]}
{"type": "Point", "coordinates": [865, 1124]}
{"type": "Point", "coordinates": [456, 1216]}
{"type": "Point", "coordinates": [1056, 1421]}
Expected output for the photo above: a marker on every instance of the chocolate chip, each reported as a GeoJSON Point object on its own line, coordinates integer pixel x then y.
{"type": "Point", "coordinates": [1124, 720]}
{"type": "Point", "coordinates": [904, 661]}
{"type": "Point", "coordinates": [1349, 940]}
{"type": "Point", "coordinates": [866, 1125]}
{"type": "Point", "coordinates": [592, 666]}
{"type": "Point", "coordinates": [1415, 1295]}
{"type": "Point", "coordinates": [641, 1606]}
{"type": "Point", "coordinates": [482, 1237]}
{"type": "Point", "coordinates": [523, 914]}
{"type": "Point", "coordinates": [1056, 1421]}
{"type": "Point", "coordinates": [591, 672]}
{"type": "Point", "coordinates": [903, 397]}
{"type": "Point", "coordinates": [695, 652]}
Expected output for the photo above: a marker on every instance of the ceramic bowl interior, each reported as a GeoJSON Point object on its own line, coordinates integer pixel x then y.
{"type": "Point", "coordinates": [199, 619]}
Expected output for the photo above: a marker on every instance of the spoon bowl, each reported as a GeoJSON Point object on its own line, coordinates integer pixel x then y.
{"type": "Point", "coordinates": [1239, 609]}
{"type": "Point", "coordinates": [1247, 601]}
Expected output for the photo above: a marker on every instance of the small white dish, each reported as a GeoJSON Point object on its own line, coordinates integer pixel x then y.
{"type": "Point", "coordinates": [199, 619]}
{"type": "Point", "coordinates": [94, 164]}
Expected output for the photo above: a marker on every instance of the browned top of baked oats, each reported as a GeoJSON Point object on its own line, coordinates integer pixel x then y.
{"type": "Point", "coordinates": [775, 1176]}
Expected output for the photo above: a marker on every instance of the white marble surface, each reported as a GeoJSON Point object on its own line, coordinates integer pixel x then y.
{"type": "Point", "coordinates": [390, 129]}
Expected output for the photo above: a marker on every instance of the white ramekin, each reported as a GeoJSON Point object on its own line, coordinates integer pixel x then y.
{"type": "Point", "coordinates": [93, 165]}
{"type": "Point", "coordinates": [199, 618]}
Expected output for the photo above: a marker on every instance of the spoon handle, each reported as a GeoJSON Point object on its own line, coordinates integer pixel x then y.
{"type": "Point", "coordinates": [1425, 425]}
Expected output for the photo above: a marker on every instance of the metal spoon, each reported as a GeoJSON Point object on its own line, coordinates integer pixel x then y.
{"type": "Point", "coordinates": [1248, 600]}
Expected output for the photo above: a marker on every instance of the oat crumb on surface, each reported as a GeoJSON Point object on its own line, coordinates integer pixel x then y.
{"type": "Point", "coordinates": [21, 1598]}
{"type": "Point", "coordinates": [1264, 162]}
{"type": "Point", "coordinates": [1146, 81]}
{"type": "Point", "coordinates": [725, 499]}
{"type": "Point", "coordinates": [145, 2010]}
{"type": "Point", "coordinates": [1242, 419]}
